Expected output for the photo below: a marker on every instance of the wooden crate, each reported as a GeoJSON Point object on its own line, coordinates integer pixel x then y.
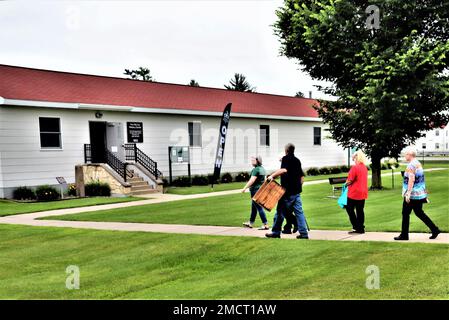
{"type": "Point", "coordinates": [269, 194]}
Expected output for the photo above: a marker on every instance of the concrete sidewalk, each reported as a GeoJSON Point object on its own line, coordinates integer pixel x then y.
{"type": "Point", "coordinates": [336, 235]}
{"type": "Point", "coordinates": [30, 219]}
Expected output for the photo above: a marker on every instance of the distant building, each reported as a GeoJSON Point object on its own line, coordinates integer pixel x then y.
{"type": "Point", "coordinates": [51, 121]}
{"type": "Point", "coordinates": [434, 141]}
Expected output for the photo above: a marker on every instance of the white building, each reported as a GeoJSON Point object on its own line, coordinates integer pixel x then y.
{"type": "Point", "coordinates": [434, 141]}
{"type": "Point", "coordinates": [51, 121]}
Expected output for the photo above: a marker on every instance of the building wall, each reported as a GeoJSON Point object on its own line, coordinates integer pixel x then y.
{"type": "Point", "coordinates": [24, 163]}
{"type": "Point", "coordinates": [2, 195]}
{"type": "Point", "coordinates": [431, 139]}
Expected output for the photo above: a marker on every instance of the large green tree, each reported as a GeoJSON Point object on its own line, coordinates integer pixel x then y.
{"type": "Point", "coordinates": [387, 65]}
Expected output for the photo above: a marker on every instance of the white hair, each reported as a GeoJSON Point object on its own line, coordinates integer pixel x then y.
{"type": "Point", "coordinates": [410, 150]}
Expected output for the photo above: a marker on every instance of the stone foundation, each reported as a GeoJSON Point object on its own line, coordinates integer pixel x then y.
{"type": "Point", "coordinates": [86, 173]}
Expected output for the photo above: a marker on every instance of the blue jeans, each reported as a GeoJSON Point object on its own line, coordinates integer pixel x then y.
{"type": "Point", "coordinates": [289, 204]}
{"type": "Point", "coordinates": [256, 208]}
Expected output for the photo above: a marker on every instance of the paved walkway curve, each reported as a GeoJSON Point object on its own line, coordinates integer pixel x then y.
{"type": "Point", "coordinates": [30, 219]}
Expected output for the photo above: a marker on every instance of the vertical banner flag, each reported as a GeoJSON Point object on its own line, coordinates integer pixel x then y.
{"type": "Point", "coordinates": [221, 142]}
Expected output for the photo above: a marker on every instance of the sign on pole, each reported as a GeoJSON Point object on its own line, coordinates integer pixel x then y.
{"type": "Point", "coordinates": [221, 142]}
{"type": "Point", "coordinates": [62, 182]}
{"type": "Point", "coordinates": [178, 155]}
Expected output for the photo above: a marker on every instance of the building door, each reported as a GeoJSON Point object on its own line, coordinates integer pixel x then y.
{"type": "Point", "coordinates": [97, 131]}
{"type": "Point", "coordinates": [115, 140]}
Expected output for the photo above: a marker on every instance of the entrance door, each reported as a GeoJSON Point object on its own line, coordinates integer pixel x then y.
{"type": "Point", "coordinates": [115, 141]}
{"type": "Point", "coordinates": [97, 132]}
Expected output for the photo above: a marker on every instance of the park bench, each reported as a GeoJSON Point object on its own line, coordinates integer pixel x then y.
{"type": "Point", "coordinates": [333, 181]}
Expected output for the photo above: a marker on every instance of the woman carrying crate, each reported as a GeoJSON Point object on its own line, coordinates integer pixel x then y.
{"type": "Point", "coordinates": [254, 183]}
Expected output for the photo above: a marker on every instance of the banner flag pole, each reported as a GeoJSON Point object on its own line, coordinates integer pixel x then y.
{"type": "Point", "coordinates": [221, 142]}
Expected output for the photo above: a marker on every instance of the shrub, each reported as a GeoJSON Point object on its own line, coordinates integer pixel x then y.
{"type": "Point", "coordinates": [210, 178]}
{"type": "Point", "coordinates": [313, 171]}
{"type": "Point", "coordinates": [324, 170]}
{"type": "Point", "coordinates": [200, 180]}
{"type": "Point", "coordinates": [165, 182]}
{"type": "Point", "coordinates": [72, 190]}
{"type": "Point", "coordinates": [242, 177]}
{"type": "Point", "coordinates": [47, 193]}
{"type": "Point", "coordinates": [97, 189]}
{"type": "Point", "coordinates": [24, 193]}
{"type": "Point", "coordinates": [181, 181]}
{"type": "Point", "coordinates": [226, 177]}
{"type": "Point", "coordinates": [335, 170]}
{"type": "Point", "coordinates": [383, 166]}
{"type": "Point", "coordinates": [344, 168]}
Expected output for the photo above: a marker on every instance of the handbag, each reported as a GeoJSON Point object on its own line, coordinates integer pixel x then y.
{"type": "Point", "coordinates": [343, 200]}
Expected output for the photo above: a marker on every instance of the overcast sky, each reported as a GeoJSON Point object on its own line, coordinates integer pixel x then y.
{"type": "Point", "coordinates": [205, 40]}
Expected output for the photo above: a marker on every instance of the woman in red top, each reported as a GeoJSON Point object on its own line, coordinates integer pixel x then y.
{"type": "Point", "coordinates": [357, 183]}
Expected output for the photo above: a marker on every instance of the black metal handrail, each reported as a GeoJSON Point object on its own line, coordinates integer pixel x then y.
{"type": "Point", "coordinates": [132, 153]}
{"type": "Point", "coordinates": [117, 165]}
{"type": "Point", "coordinates": [87, 153]}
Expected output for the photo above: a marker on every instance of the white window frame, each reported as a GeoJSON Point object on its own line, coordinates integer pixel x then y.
{"type": "Point", "coordinates": [313, 137]}
{"type": "Point", "coordinates": [260, 135]}
{"type": "Point", "coordinates": [201, 134]}
{"type": "Point", "coordinates": [60, 148]}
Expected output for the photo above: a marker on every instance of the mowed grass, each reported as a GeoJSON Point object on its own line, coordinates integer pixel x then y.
{"type": "Point", "coordinates": [382, 209]}
{"type": "Point", "coordinates": [8, 207]}
{"type": "Point", "coordinates": [240, 185]}
{"type": "Point", "coordinates": [137, 265]}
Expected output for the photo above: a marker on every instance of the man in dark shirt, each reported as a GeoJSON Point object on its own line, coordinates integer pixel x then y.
{"type": "Point", "coordinates": [292, 178]}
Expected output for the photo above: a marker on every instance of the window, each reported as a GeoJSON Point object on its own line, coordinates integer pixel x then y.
{"type": "Point", "coordinates": [317, 136]}
{"type": "Point", "coordinates": [437, 146]}
{"type": "Point", "coordinates": [437, 133]}
{"type": "Point", "coordinates": [195, 134]}
{"type": "Point", "coordinates": [50, 132]}
{"type": "Point", "coordinates": [424, 145]}
{"type": "Point", "coordinates": [264, 131]}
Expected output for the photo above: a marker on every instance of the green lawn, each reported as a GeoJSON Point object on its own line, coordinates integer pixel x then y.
{"type": "Point", "coordinates": [234, 185]}
{"type": "Point", "coordinates": [137, 265]}
{"type": "Point", "coordinates": [8, 207]}
{"type": "Point", "coordinates": [383, 209]}
{"type": "Point", "coordinates": [240, 185]}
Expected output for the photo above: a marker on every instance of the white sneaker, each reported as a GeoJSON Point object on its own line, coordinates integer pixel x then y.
{"type": "Point", "coordinates": [247, 224]}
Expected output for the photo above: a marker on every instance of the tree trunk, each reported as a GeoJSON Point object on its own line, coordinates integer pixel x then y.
{"type": "Point", "coordinates": [376, 178]}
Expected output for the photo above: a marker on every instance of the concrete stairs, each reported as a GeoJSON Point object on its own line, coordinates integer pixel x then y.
{"type": "Point", "coordinates": [139, 186]}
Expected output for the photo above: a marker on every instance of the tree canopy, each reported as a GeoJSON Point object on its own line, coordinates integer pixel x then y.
{"type": "Point", "coordinates": [239, 83]}
{"type": "Point", "coordinates": [391, 81]}
{"type": "Point", "coordinates": [139, 74]}
{"type": "Point", "coordinates": [194, 83]}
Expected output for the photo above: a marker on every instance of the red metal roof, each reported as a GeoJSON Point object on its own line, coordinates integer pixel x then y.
{"type": "Point", "coordinates": [55, 86]}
